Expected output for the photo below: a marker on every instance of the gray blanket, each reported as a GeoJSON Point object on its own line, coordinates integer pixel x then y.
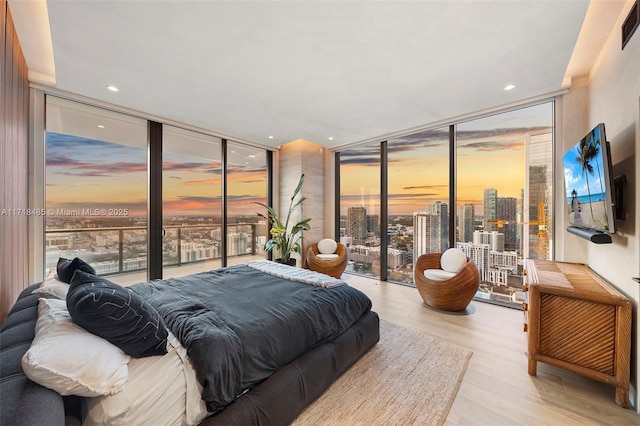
{"type": "Point", "coordinates": [240, 325]}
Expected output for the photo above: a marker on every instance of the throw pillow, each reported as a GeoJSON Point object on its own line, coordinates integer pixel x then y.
{"type": "Point", "coordinates": [116, 314]}
{"type": "Point", "coordinates": [70, 360]}
{"type": "Point", "coordinates": [52, 288]}
{"type": "Point", "coordinates": [67, 267]}
{"type": "Point", "coordinates": [327, 246]}
{"type": "Point", "coordinates": [453, 260]}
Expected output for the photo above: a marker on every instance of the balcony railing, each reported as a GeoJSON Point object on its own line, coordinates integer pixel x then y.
{"type": "Point", "coordinates": [115, 250]}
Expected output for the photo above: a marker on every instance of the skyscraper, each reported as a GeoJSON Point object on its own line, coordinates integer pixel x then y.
{"type": "Point", "coordinates": [357, 224]}
{"type": "Point", "coordinates": [440, 211]}
{"type": "Point", "coordinates": [467, 225]}
{"type": "Point", "coordinates": [507, 211]}
{"type": "Point", "coordinates": [538, 194]}
{"type": "Point", "coordinates": [490, 209]}
{"type": "Point", "coordinates": [431, 230]}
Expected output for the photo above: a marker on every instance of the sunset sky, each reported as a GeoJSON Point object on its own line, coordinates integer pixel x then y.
{"type": "Point", "coordinates": [490, 154]}
{"type": "Point", "coordinates": [85, 173]}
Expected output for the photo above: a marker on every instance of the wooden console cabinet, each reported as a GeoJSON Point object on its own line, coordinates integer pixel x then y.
{"type": "Point", "coordinates": [578, 322]}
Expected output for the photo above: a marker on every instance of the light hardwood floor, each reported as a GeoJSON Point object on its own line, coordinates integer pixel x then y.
{"type": "Point", "coordinates": [496, 389]}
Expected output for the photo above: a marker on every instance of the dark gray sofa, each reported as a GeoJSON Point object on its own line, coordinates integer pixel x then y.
{"type": "Point", "coordinates": [276, 401]}
{"type": "Point", "coordinates": [23, 402]}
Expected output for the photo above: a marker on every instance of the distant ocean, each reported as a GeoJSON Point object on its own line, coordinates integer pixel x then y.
{"type": "Point", "coordinates": [584, 199]}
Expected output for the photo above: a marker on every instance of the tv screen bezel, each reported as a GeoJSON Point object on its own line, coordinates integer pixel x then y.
{"type": "Point", "coordinates": [607, 177]}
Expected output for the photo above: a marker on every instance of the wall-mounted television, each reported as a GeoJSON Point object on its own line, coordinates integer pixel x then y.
{"type": "Point", "coordinates": [589, 186]}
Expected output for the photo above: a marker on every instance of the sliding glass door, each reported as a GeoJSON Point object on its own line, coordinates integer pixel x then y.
{"type": "Point", "coordinates": [98, 186]}
{"type": "Point", "coordinates": [96, 189]}
{"type": "Point", "coordinates": [247, 182]}
{"type": "Point", "coordinates": [360, 208]}
{"type": "Point", "coordinates": [418, 200]}
{"type": "Point", "coordinates": [191, 202]}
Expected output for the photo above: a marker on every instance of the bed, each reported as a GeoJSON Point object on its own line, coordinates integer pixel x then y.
{"type": "Point", "coordinates": [270, 389]}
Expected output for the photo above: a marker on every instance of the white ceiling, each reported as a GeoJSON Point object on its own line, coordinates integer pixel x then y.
{"type": "Point", "coordinates": [306, 69]}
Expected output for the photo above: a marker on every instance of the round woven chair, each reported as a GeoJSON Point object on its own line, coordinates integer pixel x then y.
{"type": "Point", "coordinates": [334, 267]}
{"type": "Point", "coordinates": [453, 294]}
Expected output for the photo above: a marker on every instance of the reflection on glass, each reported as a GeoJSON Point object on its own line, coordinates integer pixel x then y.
{"type": "Point", "coordinates": [504, 191]}
{"type": "Point", "coordinates": [246, 183]}
{"type": "Point", "coordinates": [418, 200]}
{"type": "Point", "coordinates": [96, 187]}
{"type": "Point", "coordinates": [360, 208]}
{"type": "Point", "coordinates": [191, 202]}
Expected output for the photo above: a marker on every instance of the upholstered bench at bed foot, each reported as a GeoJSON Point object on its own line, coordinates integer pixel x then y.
{"type": "Point", "coordinates": [282, 397]}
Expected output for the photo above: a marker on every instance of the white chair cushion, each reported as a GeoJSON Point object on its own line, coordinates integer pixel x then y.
{"type": "Point", "coordinates": [327, 246]}
{"type": "Point", "coordinates": [327, 256]}
{"type": "Point", "coordinates": [453, 260]}
{"type": "Point", "coordinates": [438, 274]}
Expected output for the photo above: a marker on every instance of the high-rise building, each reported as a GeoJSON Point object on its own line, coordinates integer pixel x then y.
{"type": "Point", "coordinates": [431, 230]}
{"type": "Point", "coordinates": [507, 213]}
{"type": "Point", "coordinates": [490, 209]}
{"type": "Point", "coordinates": [421, 230]}
{"type": "Point", "coordinates": [494, 239]}
{"type": "Point", "coordinates": [537, 206]}
{"type": "Point", "coordinates": [467, 223]}
{"type": "Point", "coordinates": [373, 224]}
{"type": "Point", "coordinates": [440, 211]}
{"type": "Point", "coordinates": [357, 224]}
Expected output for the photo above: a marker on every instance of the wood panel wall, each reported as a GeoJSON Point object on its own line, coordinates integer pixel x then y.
{"type": "Point", "coordinates": [14, 127]}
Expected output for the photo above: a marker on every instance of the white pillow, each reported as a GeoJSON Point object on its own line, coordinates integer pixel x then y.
{"type": "Point", "coordinates": [438, 274]}
{"type": "Point", "coordinates": [52, 288]}
{"type": "Point", "coordinates": [453, 260]}
{"type": "Point", "coordinates": [327, 246]}
{"type": "Point", "coordinates": [70, 360]}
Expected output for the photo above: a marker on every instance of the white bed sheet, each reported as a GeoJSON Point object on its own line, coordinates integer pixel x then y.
{"type": "Point", "coordinates": [161, 390]}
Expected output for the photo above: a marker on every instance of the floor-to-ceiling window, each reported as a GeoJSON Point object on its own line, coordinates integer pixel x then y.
{"type": "Point", "coordinates": [501, 212]}
{"type": "Point", "coordinates": [360, 208]}
{"type": "Point", "coordinates": [418, 200]}
{"type": "Point", "coordinates": [96, 187]}
{"type": "Point", "coordinates": [247, 183]}
{"type": "Point", "coordinates": [100, 187]}
{"type": "Point", "coordinates": [191, 202]}
{"type": "Point", "coordinates": [504, 182]}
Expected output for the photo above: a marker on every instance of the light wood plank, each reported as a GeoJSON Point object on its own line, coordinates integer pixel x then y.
{"type": "Point", "coordinates": [496, 388]}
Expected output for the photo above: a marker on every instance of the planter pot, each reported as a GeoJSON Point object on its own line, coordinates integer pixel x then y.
{"type": "Point", "coordinates": [291, 262]}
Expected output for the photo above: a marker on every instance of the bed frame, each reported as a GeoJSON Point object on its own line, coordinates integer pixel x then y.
{"type": "Point", "coordinates": [276, 401]}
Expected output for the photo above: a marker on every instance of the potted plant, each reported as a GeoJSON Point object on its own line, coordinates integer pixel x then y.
{"type": "Point", "coordinates": [284, 240]}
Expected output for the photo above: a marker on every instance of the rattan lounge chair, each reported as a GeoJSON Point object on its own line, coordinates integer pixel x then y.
{"type": "Point", "coordinates": [334, 267]}
{"type": "Point", "coordinates": [453, 294]}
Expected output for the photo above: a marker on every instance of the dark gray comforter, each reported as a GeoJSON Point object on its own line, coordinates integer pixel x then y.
{"type": "Point", "coordinates": [240, 325]}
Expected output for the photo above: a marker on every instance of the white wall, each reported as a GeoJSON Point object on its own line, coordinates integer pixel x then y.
{"type": "Point", "coordinates": [613, 99]}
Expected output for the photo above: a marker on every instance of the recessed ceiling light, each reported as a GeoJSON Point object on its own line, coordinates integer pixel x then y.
{"type": "Point", "coordinates": [100, 126]}
{"type": "Point", "coordinates": [113, 88]}
{"type": "Point", "coordinates": [252, 156]}
{"type": "Point", "coordinates": [270, 137]}
{"type": "Point", "coordinates": [509, 87]}
{"type": "Point", "coordinates": [330, 138]}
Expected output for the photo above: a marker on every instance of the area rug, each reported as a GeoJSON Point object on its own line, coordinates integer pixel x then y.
{"type": "Point", "coordinates": [408, 378]}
